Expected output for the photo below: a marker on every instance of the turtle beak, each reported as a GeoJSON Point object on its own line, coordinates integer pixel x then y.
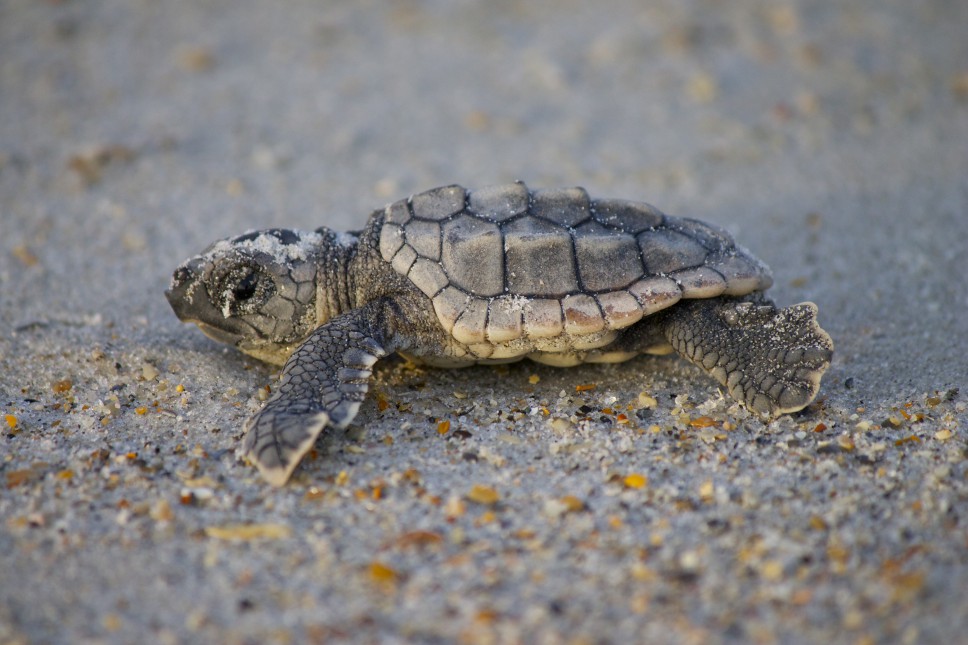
{"type": "Point", "coordinates": [181, 294]}
{"type": "Point", "coordinates": [220, 335]}
{"type": "Point", "coordinates": [190, 301]}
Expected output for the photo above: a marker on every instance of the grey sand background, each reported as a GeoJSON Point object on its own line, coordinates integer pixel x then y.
{"type": "Point", "coordinates": [489, 504]}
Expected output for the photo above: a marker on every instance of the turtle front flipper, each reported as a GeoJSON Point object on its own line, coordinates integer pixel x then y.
{"type": "Point", "coordinates": [771, 360]}
{"type": "Point", "coordinates": [322, 383]}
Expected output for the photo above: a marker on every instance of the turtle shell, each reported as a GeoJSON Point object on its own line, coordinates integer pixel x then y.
{"type": "Point", "coordinates": [504, 263]}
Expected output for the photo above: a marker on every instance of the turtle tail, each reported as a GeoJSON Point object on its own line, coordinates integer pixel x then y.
{"type": "Point", "coordinates": [769, 359]}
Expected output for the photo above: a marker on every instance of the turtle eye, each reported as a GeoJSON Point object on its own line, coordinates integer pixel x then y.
{"type": "Point", "coordinates": [242, 290]}
{"type": "Point", "coordinates": [246, 287]}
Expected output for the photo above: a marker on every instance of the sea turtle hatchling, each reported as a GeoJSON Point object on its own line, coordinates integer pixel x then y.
{"type": "Point", "coordinates": [452, 277]}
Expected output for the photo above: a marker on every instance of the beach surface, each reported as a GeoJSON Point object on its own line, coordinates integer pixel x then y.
{"type": "Point", "coordinates": [520, 503]}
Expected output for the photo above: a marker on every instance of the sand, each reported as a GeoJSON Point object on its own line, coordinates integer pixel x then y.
{"type": "Point", "coordinates": [617, 503]}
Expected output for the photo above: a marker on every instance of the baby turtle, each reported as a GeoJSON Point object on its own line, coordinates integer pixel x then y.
{"type": "Point", "coordinates": [453, 277]}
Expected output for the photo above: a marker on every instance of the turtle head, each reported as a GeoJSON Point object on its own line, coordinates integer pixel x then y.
{"type": "Point", "coordinates": [256, 291]}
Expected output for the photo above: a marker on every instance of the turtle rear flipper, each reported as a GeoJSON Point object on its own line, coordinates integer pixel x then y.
{"type": "Point", "coordinates": [771, 360]}
{"type": "Point", "coordinates": [322, 384]}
